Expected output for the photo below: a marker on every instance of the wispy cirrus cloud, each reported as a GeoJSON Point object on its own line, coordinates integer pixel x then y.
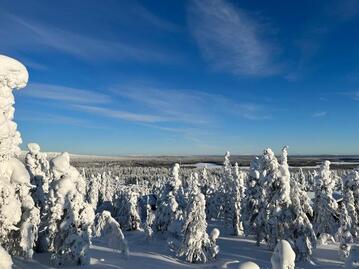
{"type": "Point", "coordinates": [64, 94]}
{"type": "Point", "coordinates": [30, 34]}
{"type": "Point", "coordinates": [230, 40]}
{"type": "Point", "coordinates": [189, 106]}
{"type": "Point", "coordinates": [122, 115]}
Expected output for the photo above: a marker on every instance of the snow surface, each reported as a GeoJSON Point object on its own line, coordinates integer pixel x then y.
{"type": "Point", "coordinates": [154, 254]}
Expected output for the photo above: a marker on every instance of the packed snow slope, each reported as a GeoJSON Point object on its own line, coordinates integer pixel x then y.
{"type": "Point", "coordinates": [154, 254]}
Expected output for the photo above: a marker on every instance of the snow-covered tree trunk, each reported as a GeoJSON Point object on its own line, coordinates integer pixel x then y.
{"type": "Point", "coordinates": [19, 218]}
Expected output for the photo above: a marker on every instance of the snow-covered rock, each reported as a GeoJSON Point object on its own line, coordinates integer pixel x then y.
{"type": "Point", "coordinates": [283, 256]}
{"type": "Point", "coordinates": [248, 265]}
{"type": "Point", "coordinates": [5, 259]}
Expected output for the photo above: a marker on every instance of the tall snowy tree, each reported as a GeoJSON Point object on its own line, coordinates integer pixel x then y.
{"type": "Point", "coordinates": [325, 206]}
{"type": "Point", "coordinates": [253, 201]}
{"type": "Point", "coordinates": [71, 218]}
{"type": "Point", "coordinates": [19, 218]}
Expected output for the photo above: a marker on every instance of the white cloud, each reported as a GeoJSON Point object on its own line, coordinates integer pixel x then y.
{"type": "Point", "coordinates": [230, 40]}
{"type": "Point", "coordinates": [64, 94]}
{"type": "Point", "coordinates": [118, 114]}
{"type": "Point", "coordinates": [190, 106]}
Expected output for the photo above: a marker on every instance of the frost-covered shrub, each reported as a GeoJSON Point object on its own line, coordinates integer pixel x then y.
{"type": "Point", "coordinates": [283, 256]}
{"type": "Point", "coordinates": [325, 206]}
{"type": "Point", "coordinates": [19, 218]}
{"type": "Point", "coordinates": [196, 245]}
{"type": "Point", "coordinates": [70, 218]}
{"type": "Point", "coordinates": [110, 230]}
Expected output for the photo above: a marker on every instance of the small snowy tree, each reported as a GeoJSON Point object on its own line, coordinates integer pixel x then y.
{"type": "Point", "coordinates": [196, 245]}
{"type": "Point", "coordinates": [110, 229]}
{"type": "Point", "coordinates": [344, 235]}
{"type": "Point", "coordinates": [325, 207]}
{"type": "Point", "coordinates": [70, 218]}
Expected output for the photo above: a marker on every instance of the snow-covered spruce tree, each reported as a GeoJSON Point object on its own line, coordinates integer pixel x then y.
{"type": "Point", "coordinates": [70, 218]}
{"type": "Point", "coordinates": [196, 245]}
{"type": "Point", "coordinates": [228, 202]}
{"type": "Point", "coordinates": [110, 230]}
{"type": "Point", "coordinates": [169, 212]}
{"type": "Point", "coordinates": [302, 232]}
{"type": "Point", "coordinates": [127, 210]}
{"type": "Point", "coordinates": [351, 198]}
{"type": "Point", "coordinates": [93, 191]}
{"type": "Point", "coordinates": [19, 218]}
{"type": "Point", "coordinates": [253, 200]}
{"type": "Point", "coordinates": [237, 194]}
{"type": "Point", "coordinates": [344, 236]}
{"type": "Point", "coordinates": [325, 207]}
{"type": "Point", "coordinates": [276, 181]}
{"type": "Point", "coordinates": [169, 217]}
{"type": "Point", "coordinates": [147, 226]}
{"type": "Point", "coordinates": [38, 167]}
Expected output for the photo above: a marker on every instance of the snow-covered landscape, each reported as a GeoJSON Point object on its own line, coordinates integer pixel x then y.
{"type": "Point", "coordinates": [264, 216]}
{"type": "Point", "coordinates": [194, 134]}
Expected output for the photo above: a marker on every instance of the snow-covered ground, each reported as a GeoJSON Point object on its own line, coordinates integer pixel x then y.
{"type": "Point", "coordinates": [155, 255]}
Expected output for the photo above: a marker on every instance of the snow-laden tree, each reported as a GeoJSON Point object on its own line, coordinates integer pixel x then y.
{"type": "Point", "coordinates": [253, 201]}
{"type": "Point", "coordinates": [351, 198]}
{"type": "Point", "coordinates": [303, 235]}
{"type": "Point", "coordinates": [19, 218]}
{"type": "Point", "coordinates": [110, 230]}
{"type": "Point", "coordinates": [169, 217]}
{"type": "Point", "coordinates": [344, 236]}
{"type": "Point", "coordinates": [93, 191]}
{"type": "Point", "coordinates": [147, 226]}
{"type": "Point", "coordinates": [276, 214]}
{"type": "Point", "coordinates": [127, 210]}
{"type": "Point", "coordinates": [228, 202]}
{"type": "Point", "coordinates": [325, 206]}
{"type": "Point", "coordinates": [71, 217]}
{"type": "Point", "coordinates": [237, 193]}
{"type": "Point", "coordinates": [38, 167]}
{"type": "Point", "coordinates": [283, 256]}
{"type": "Point", "coordinates": [196, 245]}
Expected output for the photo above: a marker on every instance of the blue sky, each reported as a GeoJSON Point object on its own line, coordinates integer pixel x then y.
{"type": "Point", "coordinates": [186, 77]}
